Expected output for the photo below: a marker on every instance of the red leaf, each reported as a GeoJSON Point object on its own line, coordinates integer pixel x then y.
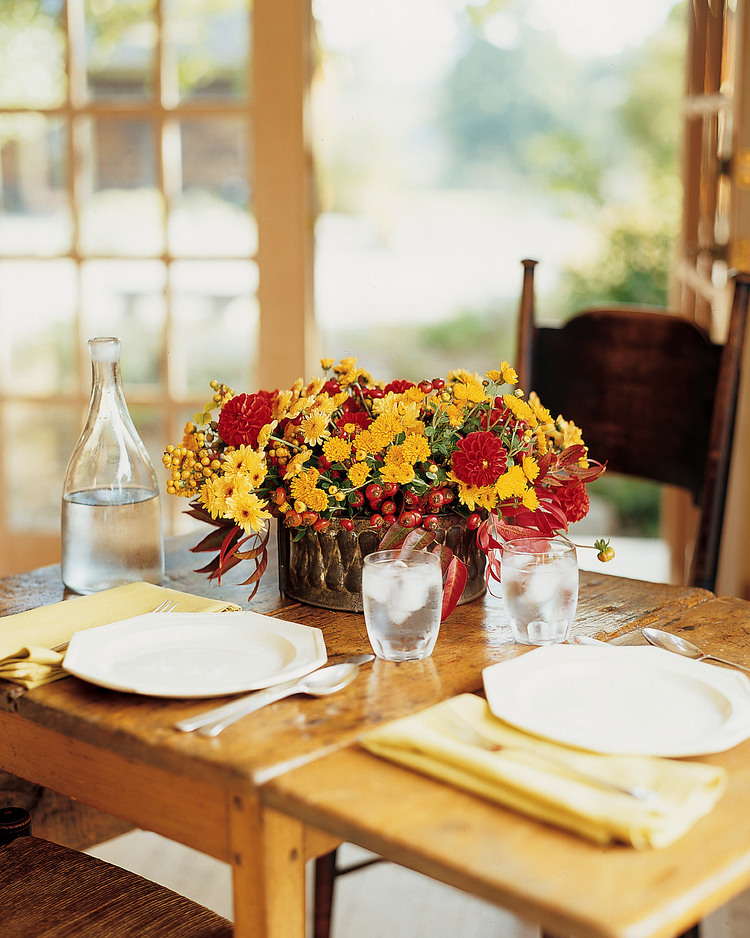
{"type": "Point", "coordinates": [417, 539]}
{"type": "Point", "coordinates": [196, 510]}
{"type": "Point", "coordinates": [212, 541]}
{"type": "Point", "coordinates": [260, 569]}
{"type": "Point", "coordinates": [492, 572]}
{"type": "Point", "coordinates": [394, 537]}
{"type": "Point", "coordinates": [453, 585]}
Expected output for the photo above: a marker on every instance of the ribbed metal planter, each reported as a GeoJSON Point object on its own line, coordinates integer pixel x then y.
{"type": "Point", "coordinates": [325, 569]}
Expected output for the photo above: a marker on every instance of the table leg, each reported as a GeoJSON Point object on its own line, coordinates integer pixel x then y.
{"type": "Point", "coordinates": [268, 868]}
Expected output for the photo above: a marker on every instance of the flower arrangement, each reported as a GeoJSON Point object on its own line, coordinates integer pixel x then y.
{"type": "Point", "coordinates": [344, 447]}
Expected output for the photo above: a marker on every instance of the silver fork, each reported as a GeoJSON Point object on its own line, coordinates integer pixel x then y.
{"type": "Point", "coordinates": [461, 729]}
{"type": "Point", "coordinates": [167, 606]}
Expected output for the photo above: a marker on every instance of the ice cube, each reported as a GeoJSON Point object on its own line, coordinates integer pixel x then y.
{"type": "Point", "coordinates": [378, 582]}
{"type": "Point", "coordinates": [410, 592]}
{"type": "Point", "coordinates": [542, 582]}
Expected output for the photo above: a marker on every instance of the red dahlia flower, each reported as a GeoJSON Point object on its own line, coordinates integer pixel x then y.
{"type": "Point", "coordinates": [573, 500]}
{"type": "Point", "coordinates": [359, 419]}
{"type": "Point", "coordinates": [480, 459]}
{"type": "Point", "coordinates": [243, 417]}
{"type": "Point", "coordinates": [398, 386]}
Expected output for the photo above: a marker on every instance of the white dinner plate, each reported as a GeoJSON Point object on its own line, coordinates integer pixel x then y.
{"type": "Point", "coordinates": [192, 654]}
{"type": "Point", "coordinates": [625, 700]}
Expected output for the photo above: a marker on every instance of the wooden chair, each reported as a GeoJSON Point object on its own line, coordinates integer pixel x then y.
{"type": "Point", "coordinates": [50, 891]}
{"type": "Point", "coordinates": [654, 396]}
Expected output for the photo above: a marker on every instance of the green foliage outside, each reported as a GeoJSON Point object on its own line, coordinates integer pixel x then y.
{"type": "Point", "coordinates": [556, 132]}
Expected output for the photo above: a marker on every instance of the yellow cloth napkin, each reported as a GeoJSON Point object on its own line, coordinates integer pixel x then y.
{"type": "Point", "coordinates": [26, 638]}
{"type": "Point", "coordinates": [519, 776]}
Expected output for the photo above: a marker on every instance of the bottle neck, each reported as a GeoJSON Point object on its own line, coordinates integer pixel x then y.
{"type": "Point", "coordinates": [106, 380]}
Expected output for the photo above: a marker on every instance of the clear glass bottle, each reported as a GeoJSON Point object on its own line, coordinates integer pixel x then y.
{"type": "Point", "coordinates": [111, 518]}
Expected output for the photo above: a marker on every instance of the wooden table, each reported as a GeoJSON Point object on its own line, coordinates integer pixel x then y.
{"type": "Point", "coordinates": [289, 783]}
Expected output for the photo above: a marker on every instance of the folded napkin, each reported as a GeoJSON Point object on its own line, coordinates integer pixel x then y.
{"type": "Point", "coordinates": [26, 638]}
{"type": "Point", "coordinates": [519, 776]}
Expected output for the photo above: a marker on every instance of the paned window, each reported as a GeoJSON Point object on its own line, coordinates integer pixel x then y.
{"type": "Point", "coordinates": [128, 178]}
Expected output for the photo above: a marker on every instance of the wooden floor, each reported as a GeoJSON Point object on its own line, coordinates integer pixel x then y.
{"type": "Point", "coordinates": [416, 906]}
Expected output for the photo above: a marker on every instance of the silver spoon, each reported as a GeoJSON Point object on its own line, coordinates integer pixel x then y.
{"type": "Point", "coordinates": [683, 647]}
{"type": "Point", "coordinates": [318, 683]}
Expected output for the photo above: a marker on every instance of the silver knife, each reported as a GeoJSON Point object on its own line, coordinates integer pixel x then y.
{"type": "Point", "coordinates": [254, 701]}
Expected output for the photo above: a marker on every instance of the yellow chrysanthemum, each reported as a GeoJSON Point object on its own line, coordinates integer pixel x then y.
{"type": "Point", "coordinates": [234, 459]}
{"type": "Point", "coordinates": [304, 488]}
{"type": "Point", "coordinates": [282, 404]}
{"type": "Point", "coordinates": [455, 415]}
{"type": "Point", "coordinates": [337, 449]}
{"type": "Point", "coordinates": [530, 468]}
{"type": "Point", "coordinates": [396, 468]}
{"type": "Point", "coordinates": [244, 459]}
{"type": "Point", "coordinates": [353, 377]}
{"type": "Point", "coordinates": [508, 373]}
{"type": "Point", "coordinates": [358, 474]}
{"type": "Point", "coordinates": [212, 499]}
{"type": "Point", "coordinates": [226, 485]}
{"type": "Point", "coordinates": [296, 464]}
{"type": "Point", "coordinates": [520, 409]}
{"type": "Point", "coordinates": [300, 406]}
{"type": "Point", "coordinates": [511, 483]}
{"type": "Point", "coordinates": [384, 429]}
{"type": "Point", "coordinates": [248, 511]}
{"type": "Point", "coordinates": [540, 411]}
{"type": "Point", "coordinates": [365, 442]}
{"type": "Point", "coordinates": [469, 390]}
{"type": "Point", "coordinates": [314, 387]}
{"type": "Point", "coordinates": [264, 434]}
{"type": "Point", "coordinates": [460, 374]}
{"type": "Point", "coordinates": [346, 364]}
{"type": "Point", "coordinates": [416, 448]}
{"type": "Point", "coordinates": [494, 375]}
{"type": "Point", "coordinates": [529, 500]}
{"type": "Point", "coordinates": [326, 363]}
{"type": "Point", "coordinates": [569, 433]}
{"type": "Point", "coordinates": [406, 410]}
{"type": "Point", "coordinates": [315, 429]}
{"type": "Point", "coordinates": [541, 441]}
{"type": "Point", "coordinates": [474, 496]}
{"type": "Point", "coordinates": [388, 404]}
{"type": "Point", "coordinates": [414, 395]}
{"type": "Point", "coordinates": [325, 404]}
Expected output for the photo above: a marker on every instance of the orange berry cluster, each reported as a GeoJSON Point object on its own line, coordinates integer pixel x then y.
{"type": "Point", "coordinates": [189, 468]}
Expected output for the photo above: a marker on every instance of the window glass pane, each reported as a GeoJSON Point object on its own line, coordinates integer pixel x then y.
{"type": "Point", "coordinates": [215, 323]}
{"type": "Point", "coordinates": [209, 212]}
{"type": "Point", "coordinates": [445, 155]}
{"type": "Point", "coordinates": [32, 499]}
{"type": "Point", "coordinates": [207, 43]}
{"type": "Point", "coordinates": [120, 48]}
{"type": "Point", "coordinates": [35, 217]}
{"type": "Point", "coordinates": [126, 299]}
{"type": "Point", "coordinates": [32, 53]}
{"type": "Point", "coordinates": [122, 210]}
{"type": "Point", "coordinates": [37, 344]}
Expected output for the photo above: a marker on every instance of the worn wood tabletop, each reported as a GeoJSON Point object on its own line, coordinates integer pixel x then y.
{"type": "Point", "coordinates": [545, 875]}
{"type": "Point", "coordinates": [474, 636]}
{"type": "Point", "coordinates": [249, 796]}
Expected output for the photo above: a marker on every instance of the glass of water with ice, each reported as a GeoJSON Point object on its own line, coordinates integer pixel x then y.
{"type": "Point", "coordinates": [539, 578]}
{"type": "Point", "coordinates": [402, 598]}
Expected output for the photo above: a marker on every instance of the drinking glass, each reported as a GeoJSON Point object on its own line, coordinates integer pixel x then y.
{"type": "Point", "coordinates": [402, 598]}
{"type": "Point", "coordinates": [539, 578]}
